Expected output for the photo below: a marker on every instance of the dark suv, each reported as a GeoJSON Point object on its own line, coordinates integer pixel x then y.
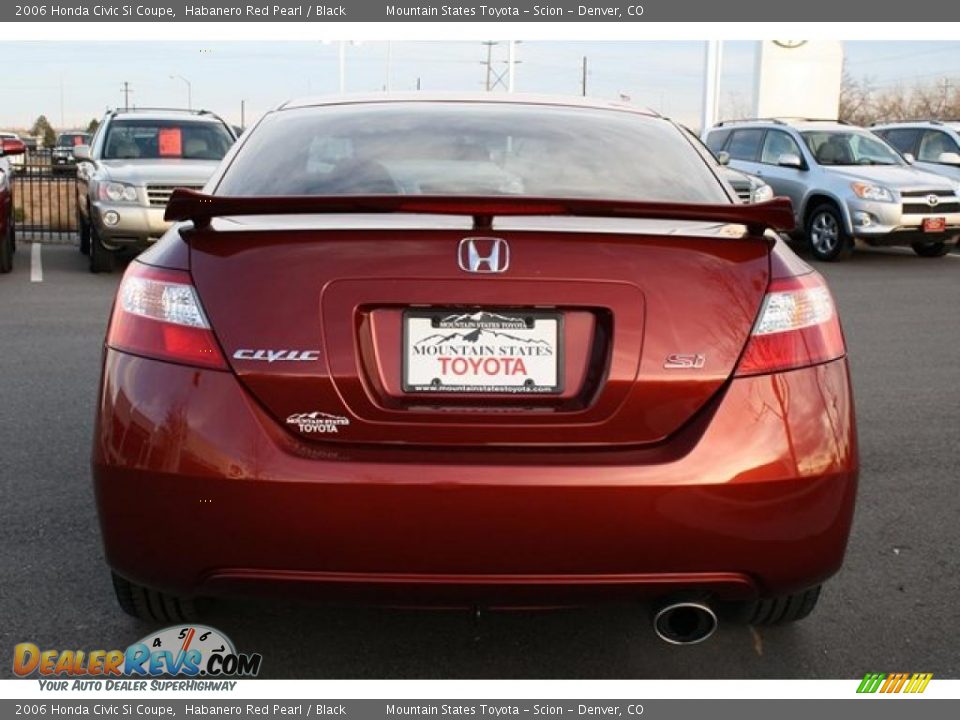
{"type": "Point", "coordinates": [62, 160]}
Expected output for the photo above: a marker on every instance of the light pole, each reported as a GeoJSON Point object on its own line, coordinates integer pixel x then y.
{"type": "Point", "coordinates": [189, 90]}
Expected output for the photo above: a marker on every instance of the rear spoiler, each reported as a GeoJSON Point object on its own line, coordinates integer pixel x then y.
{"type": "Point", "coordinates": [776, 214]}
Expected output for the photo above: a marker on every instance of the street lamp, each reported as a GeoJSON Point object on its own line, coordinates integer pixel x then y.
{"type": "Point", "coordinates": [189, 90]}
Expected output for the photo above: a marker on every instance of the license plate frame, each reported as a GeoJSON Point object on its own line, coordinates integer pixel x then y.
{"type": "Point", "coordinates": [536, 324]}
{"type": "Point", "coordinates": [934, 224]}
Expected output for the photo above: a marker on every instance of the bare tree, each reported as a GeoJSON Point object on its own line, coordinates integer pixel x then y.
{"type": "Point", "coordinates": [862, 103]}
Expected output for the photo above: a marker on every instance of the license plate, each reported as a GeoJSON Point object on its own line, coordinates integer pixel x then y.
{"type": "Point", "coordinates": [938, 224]}
{"type": "Point", "coordinates": [482, 351]}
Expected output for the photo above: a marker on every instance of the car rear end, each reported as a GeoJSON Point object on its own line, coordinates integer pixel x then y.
{"type": "Point", "coordinates": [481, 394]}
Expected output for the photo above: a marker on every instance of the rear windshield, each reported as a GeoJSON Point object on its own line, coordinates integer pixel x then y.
{"type": "Point", "coordinates": [165, 139]}
{"type": "Point", "coordinates": [470, 149]}
{"type": "Point", "coordinates": [72, 140]}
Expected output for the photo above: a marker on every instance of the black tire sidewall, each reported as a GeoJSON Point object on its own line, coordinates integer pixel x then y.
{"type": "Point", "coordinates": [6, 250]}
{"type": "Point", "coordinates": [931, 250]}
{"type": "Point", "coordinates": [101, 259]}
{"type": "Point", "coordinates": [83, 229]}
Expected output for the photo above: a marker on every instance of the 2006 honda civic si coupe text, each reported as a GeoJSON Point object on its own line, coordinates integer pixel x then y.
{"type": "Point", "coordinates": [453, 351]}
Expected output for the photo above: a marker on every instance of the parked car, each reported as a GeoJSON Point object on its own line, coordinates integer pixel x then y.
{"type": "Point", "coordinates": [749, 188]}
{"type": "Point", "coordinates": [846, 184]}
{"type": "Point", "coordinates": [61, 157]}
{"type": "Point", "coordinates": [931, 145]}
{"type": "Point", "coordinates": [16, 162]}
{"type": "Point", "coordinates": [136, 159]}
{"type": "Point", "coordinates": [431, 349]}
{"type": "Point", "coordinates": [9, 148]}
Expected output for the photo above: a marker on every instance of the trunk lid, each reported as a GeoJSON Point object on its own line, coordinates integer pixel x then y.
{"type": "Point", "coordinates": [652, 318]}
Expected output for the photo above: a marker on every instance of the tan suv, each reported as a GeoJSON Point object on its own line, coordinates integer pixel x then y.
{"type": "Point", "coordinates": [127, 173]}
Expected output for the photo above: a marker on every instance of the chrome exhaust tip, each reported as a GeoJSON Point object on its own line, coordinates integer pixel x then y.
{"type": "Point", "coordinates": [684, 623]}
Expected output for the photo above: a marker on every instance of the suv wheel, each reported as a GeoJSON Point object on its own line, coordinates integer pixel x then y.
{"type": "Point", "coordinates": [6, 250]}
{"type": "Point", "coordinates": [101, 259]}
{"type": "Point", "coordinates": [930, 249]}
{"type": "Point", "coordinates": [152, 605]}
{"type": "Point", "coordinates": [83, 230]}
{"type": "Point", "coordinates": [826, 234]}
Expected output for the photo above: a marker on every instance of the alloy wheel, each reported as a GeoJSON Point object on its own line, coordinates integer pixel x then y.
{"type": "Point", "coordinates": [824, 232]}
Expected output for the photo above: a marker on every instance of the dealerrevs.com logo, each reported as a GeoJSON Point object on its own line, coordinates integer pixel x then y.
{"type": "Point", "coordinates": [180, 651]}
{"type": "Point", "coordinates": [889, 683]}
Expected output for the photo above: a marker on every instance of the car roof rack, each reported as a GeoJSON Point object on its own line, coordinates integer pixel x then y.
{"type": "Point", "coordinates": [917, 121]}
{"type": "Point", "coordinates": [117, 111]}
{"type": "Point", "coordinates": [781, 120]}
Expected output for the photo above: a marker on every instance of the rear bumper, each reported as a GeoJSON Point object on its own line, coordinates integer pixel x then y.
{"type": "Point", "coordinates": [199, 492]}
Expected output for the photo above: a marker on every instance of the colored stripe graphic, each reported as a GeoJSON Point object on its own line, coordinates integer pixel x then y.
{"type": "Point", "coordinates": [871, 682]}
{"type": "Point", "coordinates": [894, 683]}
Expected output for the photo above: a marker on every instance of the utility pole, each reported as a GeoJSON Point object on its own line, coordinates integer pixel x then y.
{"type": "Point", "coordinates": [386, 85]}
{"type": "Point", "coordinates": [946, 92]}
{"type": "Point", "coordinates": [583, 78]}
{"type": "Point", "coordinates": [189, 89]}
{"type": "Point", "coordinates": [243, 114]}
{"type": "Point", "coordinates": [126, 95]}
{"type": "Point", "coordinates": [343, 66]}
{"type": "Point", "coordinates": [511, 63]}
{"type": "Point", "coordinates": [489, 63]}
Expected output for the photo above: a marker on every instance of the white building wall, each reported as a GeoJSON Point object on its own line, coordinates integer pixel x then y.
{"type": "Point", "coordinates": [799, 78]}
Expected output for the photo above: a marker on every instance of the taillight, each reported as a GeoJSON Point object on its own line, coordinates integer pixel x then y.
{"type": "Point", "coordinates": [157, 314]}
{"type": "Point", "coordinates": [797, 327]}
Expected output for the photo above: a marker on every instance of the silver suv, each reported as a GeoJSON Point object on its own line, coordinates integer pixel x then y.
{"type": "Point", "coordinates": [846, 184]}
{"type": "Point", "coordinates": [931, 144]}
{"type": "Point", "coordinates": [132, 165]}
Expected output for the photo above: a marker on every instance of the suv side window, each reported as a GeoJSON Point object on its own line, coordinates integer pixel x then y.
{"type": "Point", "coordinates": [903, 139]}
{"type": "Point", "coordinates": [933, 144]}
{"type": "Point", "coordinates": [716, 140]}
{"type": "Point", "coordinates": [745, 144]}
{"type": "Point", "coordinates": [778, 143]}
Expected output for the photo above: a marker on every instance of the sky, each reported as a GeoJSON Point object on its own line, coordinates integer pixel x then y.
{"type": "Point", "coordinates": [73, 82]}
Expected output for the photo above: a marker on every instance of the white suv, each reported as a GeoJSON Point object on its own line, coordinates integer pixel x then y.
{"type": "Point", "coordinates": [931, 144]}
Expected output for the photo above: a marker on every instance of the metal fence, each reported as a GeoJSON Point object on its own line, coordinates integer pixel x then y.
{"type": "Point", "coordinates": [44, 198]}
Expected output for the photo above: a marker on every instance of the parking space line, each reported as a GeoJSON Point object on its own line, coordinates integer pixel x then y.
{"type": "Point", "coordinates": [36, 263]}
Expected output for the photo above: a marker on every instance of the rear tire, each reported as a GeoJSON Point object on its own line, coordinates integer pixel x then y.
{"type": "Point", "coordinates": [152, 605]}
{"type": "Point", "coordinates": [931, 250]}
{"type": "Point", "coordinates": [101, 259]}
{"type": "Point", "coordinates": [6, 250]}
{"type": "Point", "coordinates": [781, 610]}
{"type": "Point", "coordinates": [826, 234]}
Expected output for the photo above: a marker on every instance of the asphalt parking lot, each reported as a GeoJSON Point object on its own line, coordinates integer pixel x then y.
{"type": "Point", "coordinates": [892, 608]}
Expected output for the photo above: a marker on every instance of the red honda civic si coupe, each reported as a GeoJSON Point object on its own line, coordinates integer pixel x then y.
{"type": "Point", "coordinates": [459, 351]}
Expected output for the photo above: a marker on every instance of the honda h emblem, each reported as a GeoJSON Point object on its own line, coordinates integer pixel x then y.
{"type": "Point", "coordinates": [484, 255]}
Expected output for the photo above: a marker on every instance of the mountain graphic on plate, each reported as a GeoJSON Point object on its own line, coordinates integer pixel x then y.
{"type": "Point", "coordinates": [482, 316]}
{"type": "Point", "coordinates": [475, 336]}
{"type": "Point", "coordinates": [315, 415]}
